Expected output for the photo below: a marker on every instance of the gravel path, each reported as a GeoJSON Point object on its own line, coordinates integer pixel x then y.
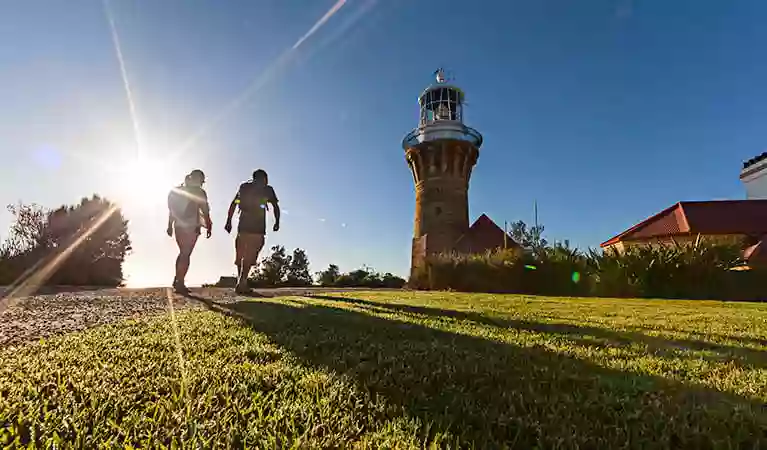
{"type": "Point", "coordinates": [41, 316]}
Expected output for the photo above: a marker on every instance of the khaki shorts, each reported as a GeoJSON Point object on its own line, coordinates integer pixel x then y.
{"type": "Point", "coordinates": [248, 246]}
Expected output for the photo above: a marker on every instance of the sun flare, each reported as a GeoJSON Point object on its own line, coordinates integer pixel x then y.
{"type": "Point", "coordinates": [144, 181]}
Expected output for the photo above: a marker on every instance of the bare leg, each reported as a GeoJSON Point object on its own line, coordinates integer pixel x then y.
{"type": "Point", "coordinates": [242, 271]}
{"type": "Point", "coordinates": [182, 267]}
{"type": "Point", "coordinates": [186, 240]}
{"type": "Point", "coordinates": [252, 245]}
{"type": "Point", "coordinates": [238, 256]}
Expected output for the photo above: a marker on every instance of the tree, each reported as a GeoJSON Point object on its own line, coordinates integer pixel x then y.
{"type": "Point", "coordinates": [362, 277]}
{"type": "Point", "coordinates": [98, 234]}
{"type": "Point", "coordinates": [389, 280]}
{"type": "Point", "coordinates": [298, 269]}
{"type": "Point", "coordinates": [529, 238]}
{"type": "Point", "coordinates": [329, 276]}
{"type": "Point", "coordinates": [26, 232]}
{"type": "Point", "coordinates": [274, 268]}
{"type": "Point", "coordinates": [358, 278]}
{"type": "Point", "coordinates": [84, 244]}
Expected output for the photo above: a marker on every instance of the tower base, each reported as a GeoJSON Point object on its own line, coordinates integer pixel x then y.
{"type": "Point", "coordinates": [418, 254]}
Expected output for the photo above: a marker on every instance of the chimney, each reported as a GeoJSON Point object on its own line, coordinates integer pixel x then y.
{"type": "Point", "coordinates": [754, 177]}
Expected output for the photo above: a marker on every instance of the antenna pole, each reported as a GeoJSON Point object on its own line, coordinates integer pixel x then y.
{"type": "Point", "coordinates": [535, 208]}
{"type": "Point", "coordinates": [505, 234]}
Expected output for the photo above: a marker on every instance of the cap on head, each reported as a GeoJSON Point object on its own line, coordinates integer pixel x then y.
{"type": "Point", "coordinates": [261, 176]}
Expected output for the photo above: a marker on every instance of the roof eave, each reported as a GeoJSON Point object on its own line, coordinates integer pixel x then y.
{"type": "Point", "coordinates": [620, 237]}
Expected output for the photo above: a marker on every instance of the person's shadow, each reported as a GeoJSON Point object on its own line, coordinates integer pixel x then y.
{"type": "Point", "coordinates": [490, 394]}
{"type": "Point", "coordinates": [742, 355]}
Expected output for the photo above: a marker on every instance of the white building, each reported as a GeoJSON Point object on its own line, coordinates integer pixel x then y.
{"type": "Point", "coordinates": [754, 177]}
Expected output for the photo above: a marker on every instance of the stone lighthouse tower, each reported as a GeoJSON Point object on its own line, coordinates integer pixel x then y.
{"type": "Point", "coordinates": [441, 153]}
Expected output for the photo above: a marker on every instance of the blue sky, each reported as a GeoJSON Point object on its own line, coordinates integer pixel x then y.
{"type": "Point", "coordinates": [604, 111]}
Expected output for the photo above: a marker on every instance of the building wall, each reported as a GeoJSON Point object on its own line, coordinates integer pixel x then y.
{"type": "Point", "coordinates": [442, 212]}
{"type": "Point", "coordinates": [755, 180]}
{"type": "Point", "coordinates": [418, 254]}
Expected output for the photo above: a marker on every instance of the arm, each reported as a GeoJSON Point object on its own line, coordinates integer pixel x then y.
{"type": "Point", "coordinates": [232, 208]}
{"type": "Point", "coordinates": [205, 209]}
{"type": "Point", "coordinates": [230, 213]}
{"type": "Point", "coordinates": [276, 214]}
{"type": "Point", "coordinates": [276, 204]}
{"type": "Point", "coordinates": [170, 216]}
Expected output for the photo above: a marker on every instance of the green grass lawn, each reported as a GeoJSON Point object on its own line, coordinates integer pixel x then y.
{"type": "Point", "coordinates": [402, 370]}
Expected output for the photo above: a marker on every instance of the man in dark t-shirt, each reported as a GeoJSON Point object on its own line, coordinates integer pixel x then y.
{"type": "Point", "coordinates": [188, 212]}
{"type": "Point", "coordinates": [252, 198]}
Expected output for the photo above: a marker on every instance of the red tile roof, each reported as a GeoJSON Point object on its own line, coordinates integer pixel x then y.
{"type": "Point", "coordinates": [748, 217]}
{"type": "Point", "coordinates": [483, 235]}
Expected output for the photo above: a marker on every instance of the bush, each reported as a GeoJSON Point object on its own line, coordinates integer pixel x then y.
{"type": "Point", "coordinates": [364, 277]}
{"type": "Point", "coordinates": [555, 271]}
{"type": "Point", "coordinates": [280, 270]}
{"type": "Point", "coordinates": [367, 277]}
{"type": "Point", "coordinates": [83, 244]}
{"type": "Point", "coordinates": [697, 271]}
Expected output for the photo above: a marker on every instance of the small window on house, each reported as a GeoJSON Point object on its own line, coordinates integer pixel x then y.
{"type": "Point", "coordinates": [437, 210]}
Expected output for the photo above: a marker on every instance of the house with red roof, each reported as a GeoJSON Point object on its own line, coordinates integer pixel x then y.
{"type": "Point", "coordinates": [716, 220]}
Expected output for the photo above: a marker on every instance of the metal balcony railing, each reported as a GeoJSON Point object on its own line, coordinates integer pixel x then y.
{"type": "Point", "coordinates": [465, 134]}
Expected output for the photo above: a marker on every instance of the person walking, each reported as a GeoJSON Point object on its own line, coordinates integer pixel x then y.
{"type": "Point", "coordinates": [188, 211]}
{"type": "Point", "coordinates": [253, 198]}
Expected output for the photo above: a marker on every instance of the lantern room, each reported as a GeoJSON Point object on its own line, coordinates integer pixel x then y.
{"type": "Point", "coordinates": [441, 115]}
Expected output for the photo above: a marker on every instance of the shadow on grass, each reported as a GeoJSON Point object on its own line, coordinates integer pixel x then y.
{"type": "Point", "coordinates": [745, 340]}
{"type": "Point", "coordinates": [495, 395]}
{"type": "Point", "coordinates": [743, 356]}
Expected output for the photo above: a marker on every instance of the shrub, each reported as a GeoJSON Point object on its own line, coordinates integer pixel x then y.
{"type": "Point", "coordinates": [83, 244]}
{"type": "Point", "coordinates": [367, 277]}
{"type": "Point", "coordinates": [557, 271]}
{"type": "Point", "coordinates": [279, 269]}
{"type": "Point", "coordinates": [701, 270]}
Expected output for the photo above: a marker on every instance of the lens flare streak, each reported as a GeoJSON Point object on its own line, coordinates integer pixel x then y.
{"type": "Point", "coordinates": [331, 12]}
{"type": "Point", "coordinates": [261, 80]}
{"type": "Point", "coordinates": [124, 75]}
{"type": "Point", "coordinates": [177, 341]}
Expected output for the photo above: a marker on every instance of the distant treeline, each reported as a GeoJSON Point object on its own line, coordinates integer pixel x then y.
{"type": "Point", "coordinates": [282, 270]}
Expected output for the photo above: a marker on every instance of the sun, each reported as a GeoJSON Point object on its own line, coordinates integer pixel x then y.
{"type": "Point", "coordinates": [144, 181]}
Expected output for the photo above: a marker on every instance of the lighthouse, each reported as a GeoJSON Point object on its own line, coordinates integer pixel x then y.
{"type": "Point", "coordinates": [441, 153]}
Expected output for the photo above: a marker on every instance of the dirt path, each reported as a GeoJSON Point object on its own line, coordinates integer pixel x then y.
{"type": "Point", "coordinates": [70, 309]}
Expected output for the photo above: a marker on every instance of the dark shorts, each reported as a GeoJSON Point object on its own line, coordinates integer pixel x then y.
{"type": "Point", "coordinates": [256, 225]}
